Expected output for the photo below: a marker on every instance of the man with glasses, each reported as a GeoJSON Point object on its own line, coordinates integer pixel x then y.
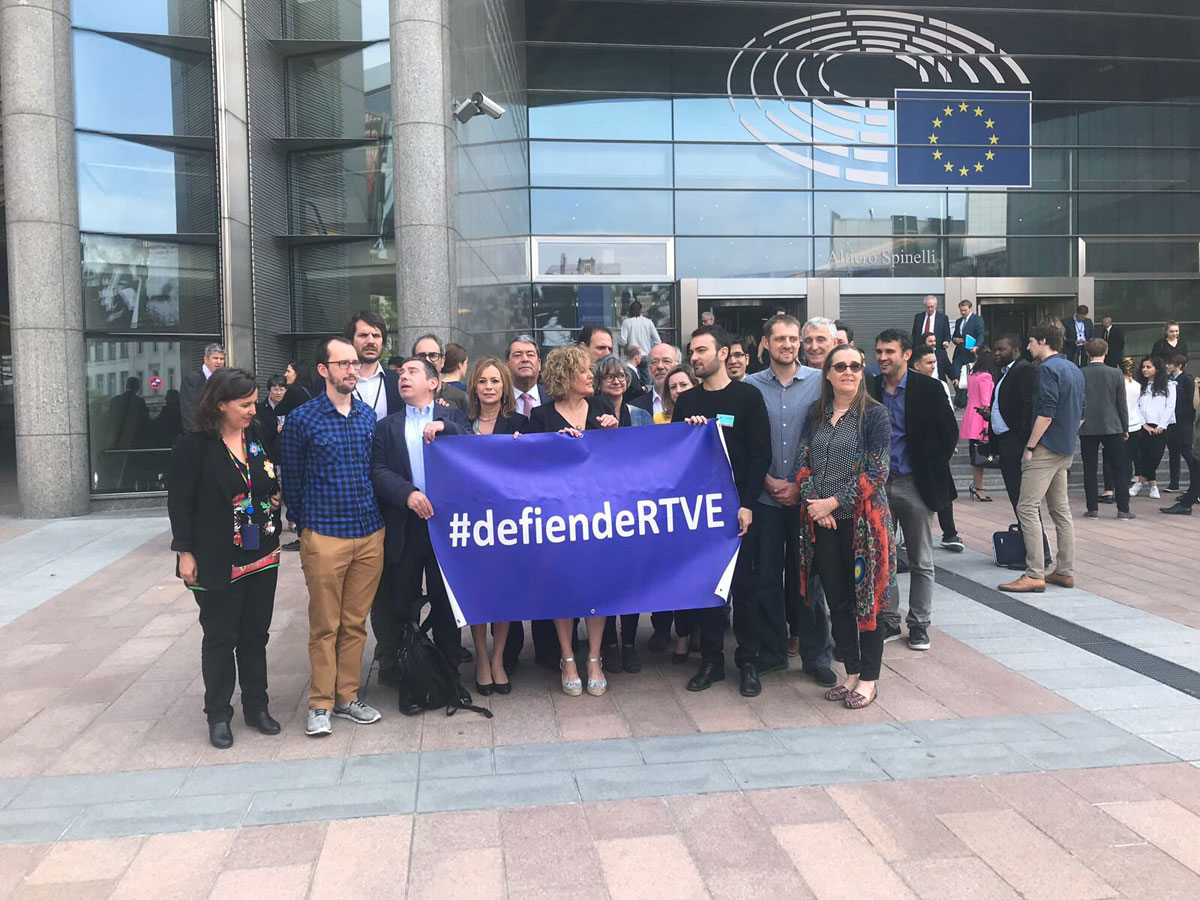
{"type": "Point", "coordinates": [429, 347]}
{"type": "Point", "coordinates": [325, 449]}
{"type": "Point", "coordinates": [663, 358]}
{"type": "Point", "coordinates": [738, 359]}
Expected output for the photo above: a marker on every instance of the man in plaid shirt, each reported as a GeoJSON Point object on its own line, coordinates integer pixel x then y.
{"type": "Point", "coordinates": [325, 451]}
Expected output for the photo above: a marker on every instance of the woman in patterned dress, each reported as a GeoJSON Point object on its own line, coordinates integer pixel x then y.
{"type": "Point", "coordinates": [845, 531]}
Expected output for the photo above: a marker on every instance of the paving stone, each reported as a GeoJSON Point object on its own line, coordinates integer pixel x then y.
{"type": "Point", "coordinates": [947, 732]}
{"type": "Point", "coordinates": [473, 874]}
{"type": "Point", "coordinates": [271, 883]}
{"type": "Point", "coordinates": [82, 790]}
{"type": "Point", "coordinates": [642, 817]}
{"type": "Point", "coordinates": [343, 802]}
{"type": "Point", "coordinates": [940, 879]}
{"type": "Point", "coordinates": [9, 788]}
{"type": "Point", "coordinates": [257, 777]}
{"type": "Point", "coordinates": [1184, 744]}
{"type": "Point", "coordinates": [382, 768]}
{"type": "Point", "coordinates": [179, 866]}
{"type": "Point", "coordinates": [456, 763]}
{"type": "Point", "coordinates": [162, 816]}
{"type": "Point", "coordinates": [626, 862]}
{"type": "Point", "coordinates": [803, 741]}
{"type": "Point", "coordinates": [1154, 721]}
{"type": "Point", "coordinates": [861, 875]}
{"type": "Point", "coordinates": [1164, 823]}
{"type": "Point", "coordinates": [653, 781]}
{"type": "Point", "coordinates": [1037, 867]}
{"type": "Point", "coordinates": [691, 748]}
{"type": "Point", "coordinates": [795, 806]}
{"type": "Point", "coordinates": [1090, 753]}
{"type": "Point", "coordinates": [799, 771]}
{"type": "Point", "coordinates": [488, 791]}
{"type": "Point", "coordinates": [1147, 696]}
{"type": "Point", "coordinates": [894, 818]}
{"type": "Point", "coordinates": [954, 759]}
{"type": "Point", "coordinates": [1142, 870]}
{"type": "Point", "coordinates": [1080, 724]}
{"type": "Point", "coordinates": [263, 846]}
{"type": "Point", "coordinates": [1058, 811]}
{"type": "Point", "coordinates": [364, 859]}
{"type": "Point", "coordinates": [456, 830]}
{"type": "Point", "coordinates": [1097, 677]}
{"type": "Point", "coordinates": [546, 852]}
{"type": "Point", "coordinates": [566, 756]}
{"type": "Point", "coordinates": [36, 826]}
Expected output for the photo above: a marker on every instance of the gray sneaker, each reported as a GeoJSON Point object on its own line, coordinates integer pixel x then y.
{"type": "Point", "coordinates": [318, 723]}
{"type": "Point", "coordinates": [357, 712]}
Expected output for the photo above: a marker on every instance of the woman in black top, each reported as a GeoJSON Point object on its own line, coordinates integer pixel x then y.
{"type": "Point", "coordinates": [1170, 343]}
{"type": "Point", "coordinates": [223, 501]}
{"type": "Point", "coordinates": [567, 378]}
{"type": "Point", "coordinates": [492, 410]}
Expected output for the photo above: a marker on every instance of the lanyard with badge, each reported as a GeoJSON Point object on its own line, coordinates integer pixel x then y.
{"type": "Point", "coordinates": [249, 531]}
{"type": "Point", "coordinates": [378, 390]}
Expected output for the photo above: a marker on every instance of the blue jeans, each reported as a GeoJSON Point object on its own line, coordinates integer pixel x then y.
{"type": "Point", "coordinates": [781, 608]}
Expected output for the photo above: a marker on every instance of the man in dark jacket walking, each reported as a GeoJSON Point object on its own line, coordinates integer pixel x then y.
{"type": "Point", "coordinates": [1107, 423]}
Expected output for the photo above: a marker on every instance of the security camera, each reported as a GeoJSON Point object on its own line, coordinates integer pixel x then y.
{"type": "Point", "coordinates": [465, 110]}
{"type": "Point", "coordinates": [487, 105]}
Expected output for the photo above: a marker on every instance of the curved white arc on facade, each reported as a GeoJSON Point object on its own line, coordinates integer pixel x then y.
{"type": "Point", "coordinates": [798, 158]}
{"type": "Point", "coordinates": [837, 111]}
{"type": "Point", "coordinates": [753, 69]}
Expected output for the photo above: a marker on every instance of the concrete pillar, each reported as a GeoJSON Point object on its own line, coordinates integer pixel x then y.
{"type": "Point", "coordinates": [233, 163]}
{"type": "Point", "coordinates": [49, 363]}
{"type": "Point", "coordinates": [422, 138]}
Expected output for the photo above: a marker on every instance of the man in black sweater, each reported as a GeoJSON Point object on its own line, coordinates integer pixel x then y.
{"type": "Point", "coordinates": [740, 410]}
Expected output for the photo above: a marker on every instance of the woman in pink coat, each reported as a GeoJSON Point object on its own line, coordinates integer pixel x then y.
{"type": "Point", "coordinates": [980, 384]}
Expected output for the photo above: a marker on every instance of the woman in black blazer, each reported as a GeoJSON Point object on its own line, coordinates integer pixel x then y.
{"type": "Point", "coordinates": [492, 410]}
{"type": "Point", "coordinates": [223, 500]}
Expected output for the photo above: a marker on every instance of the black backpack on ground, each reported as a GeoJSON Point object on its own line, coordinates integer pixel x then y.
{"type": "Point", "coordinates": [427, 678]}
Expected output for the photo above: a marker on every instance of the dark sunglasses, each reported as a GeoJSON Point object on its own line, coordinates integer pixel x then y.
{"type": "Point", "coordinates": [854, 367]}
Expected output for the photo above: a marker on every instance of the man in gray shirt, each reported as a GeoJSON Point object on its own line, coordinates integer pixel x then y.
{"type": "Point", "coordinates": [789, 390]}
{"type": "Point", "coordinates": [1058, 411]}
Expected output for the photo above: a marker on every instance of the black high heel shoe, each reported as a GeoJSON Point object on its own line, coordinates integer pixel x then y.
{"type": "Point", "coordinates": [485, 690]}
{"type": "Point", "coordinates": [975, 495]}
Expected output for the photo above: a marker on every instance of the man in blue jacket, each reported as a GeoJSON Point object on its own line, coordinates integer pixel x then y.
{"type": "Point", "coordinates": [398, 473]}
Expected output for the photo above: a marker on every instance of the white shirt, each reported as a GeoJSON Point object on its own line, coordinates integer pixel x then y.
{"type": "Point", "coordinates": [1133, 393]}
{"type": "Point", "coordinates": [415, 421]}
{"type": "Point", "coordinates": [999, 426]}
{"type": "Point", "coordinates": [639, 331]}
{"type": "Point", "coordinates": [372, 392]}
{"type": "Point", "coordinates": [534, 396]}
{"type": "Point", "coordinates": [1157, 409]}
{"type": "Point", "coordinates": [656, 403]}
{"type": "Point", "coordinates": [207, 371]}
{"type": "Point", "coordinates": [1080, 334]}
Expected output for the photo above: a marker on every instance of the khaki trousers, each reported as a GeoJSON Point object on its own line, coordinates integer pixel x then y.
{"type": "Point", "coordinates": [342, 575]}
{"type": "Point", "coordinates": [1045, 477]}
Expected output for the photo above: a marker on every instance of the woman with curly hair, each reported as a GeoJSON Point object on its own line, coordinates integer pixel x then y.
{"type": "Point", "coordinates": [567, 379]}
{"type": "Point", "coordinates": [845, 529]}
{"type": "Point", "coordinates": [1156, 406]}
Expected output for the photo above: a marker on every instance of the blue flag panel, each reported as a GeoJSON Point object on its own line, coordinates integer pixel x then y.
{"type": "Point", "coordinates": [965, 138]}
{"type": "Point", "coordinates": [547, 526]}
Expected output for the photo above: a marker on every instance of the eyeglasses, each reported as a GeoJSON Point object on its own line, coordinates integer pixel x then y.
{"type": "Point", "coordinates": [841, 367]}
{"type": "Point", "coordinates": [614, 376]}
{"type": "Point", "coordinates": [739, 355]}
{"type": "Point", "coordinates": [431, 356]}
{"type": "Point", "coordinates": [344, 364]}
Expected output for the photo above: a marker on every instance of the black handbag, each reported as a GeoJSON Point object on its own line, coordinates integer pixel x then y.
{"type": "Point", "coordinates": [985, 455]}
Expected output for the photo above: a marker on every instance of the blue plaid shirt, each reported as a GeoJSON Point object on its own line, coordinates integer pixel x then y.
{"type": "Point", "coordinates": [326, 460]}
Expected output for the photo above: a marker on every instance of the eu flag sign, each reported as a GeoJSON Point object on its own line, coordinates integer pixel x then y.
{"type": "Point", "coordinates": [967, 138]}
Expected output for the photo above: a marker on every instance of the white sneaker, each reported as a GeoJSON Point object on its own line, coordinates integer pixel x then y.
{"type": "Point", "coordinates": [1154, 494]}
{"type": "Point", "coordinates": [318, 723]}
{"type": "Point", "coordinates": [1135, 489]}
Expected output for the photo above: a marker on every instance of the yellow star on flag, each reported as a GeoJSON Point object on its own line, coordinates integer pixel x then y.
{"type": "Point", "coordinates": [993, 140]}
{"type": "Point", "coordinates": [978, 167]}
{"type": "Point", "coordinates": [990, 123]}
{"type": "Point", "coordinates": [937, 123]}
{"type": "Point", "coordinates": [979, 110]}
{"type": "Point", "coordinates": [963, 171]}
{"type": "Point", "coordinates": [948, 111]}
{"type": "Point", "coordinates": [937, 154]}
{"type": "Point", "coordinates": [949, 167]}
{"type": "Point", "coordinates": [933, 139]}
{"type": "Point", "coordinates": [991, 155]}
{"type": "Point", "coordinates": [963, 106]}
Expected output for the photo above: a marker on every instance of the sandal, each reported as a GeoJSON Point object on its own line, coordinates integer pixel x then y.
{"type": "Point", "coordinates": [574, 687]}
{"type": "Point", "coordinates": [597, 686]}
{"type": "Point", "coordinates": [841, 692]}
{"type": "Point", "coordinates": [855, 700]}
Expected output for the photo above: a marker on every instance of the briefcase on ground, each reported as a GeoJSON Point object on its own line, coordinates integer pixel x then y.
{"type": "Point", "coordinates": [1008, 548]}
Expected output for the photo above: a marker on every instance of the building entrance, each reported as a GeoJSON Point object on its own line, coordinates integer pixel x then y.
{"type": "Point", "coordinates": [745, 316]}
{"type": "Point", "coordinates": [1016, 315]}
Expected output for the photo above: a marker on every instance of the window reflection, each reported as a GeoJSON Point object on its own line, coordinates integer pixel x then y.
{"type": "Point", "coordinates": [137, 285]}
{"type": "Point", "coordinates": [878, 212]}
{"type": "Point", "coordinates": [1148, 213]}
{"type": "Point", "coordinates": [121, 87]}
{"type": "Point", "coordinates": [136, 189]}
{"type": "Point", "coordinates": [597, 258]}
{"type": "Point", "coordinates": [727, 166]}
{"type": "Point", "coordinates": [182, 17]}
{"type": "Point", "coordinates": [888, 255]}
{"type": "Point", "coordinates": [742, 212]}
{"type": "Point", "coordinates": [494, 314]}
{"type": "Point", "coordinates": [133, 410]}
{"type": "Point", "coordinates": [1012, 212]}
{"type": "Point", "coordinates": [560, 310]}
{"type": "Point", "coordinates": [342, 191]}
{"type": "Point", "coordinates": [330, 281]}
{"type": "Point", "coordinates": [584, 164]}
{"type": "Point", "coordinates": [710, 257]}
{"type": "Point", "coordinates": [336, 20]}
{"type": "Point", "coordinates": [572, 116]}
{"type": "Point", "coordinates": [337, 95]}
{"type": "Point", "coordinates": [601, 212]}
{"type": "Point", "coordinates": [1010, 257]}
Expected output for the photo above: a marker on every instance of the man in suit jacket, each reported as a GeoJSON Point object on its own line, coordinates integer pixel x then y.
{"type": "Point", "coordinates": [969, 325]}
{"type": "Point", "coordinates": [924, 435]}
{"type": "Point", "coordinates": [1114, 336]}
{"type": "Point", "coordinates": [193, 382]}
{"type": "Point", "coordinates": [934, 322]}
{"type": "Point", "coordinates": [1182, 435]}
{"type": "Point", "coordinates": [398, 474]}
{"type": "Point", "coordinates": [663, 359]}
{"type": "Point", "coordinates": [1010, 416]}
{"type": "Point", "coordinates": [1079, 330]}
{"type": "Point", "coordinates": [430, 348]}
{"type": "Point", "coordinates": [525, 366]}
{"type": "Point", "coordinates": [1106, 422]}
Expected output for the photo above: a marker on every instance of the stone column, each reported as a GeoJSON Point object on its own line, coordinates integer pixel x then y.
{"type": "Point", "coordinates": [421, 141]}
{"type": "Point", "coordinates": [49, 364]}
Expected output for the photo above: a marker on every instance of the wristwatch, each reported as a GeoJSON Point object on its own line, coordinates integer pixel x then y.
{"type": "Point", "coordinates": [1031, 449]}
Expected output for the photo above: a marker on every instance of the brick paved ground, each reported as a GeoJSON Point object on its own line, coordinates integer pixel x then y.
{"type": "Point", "coordinates": [1003, 763]}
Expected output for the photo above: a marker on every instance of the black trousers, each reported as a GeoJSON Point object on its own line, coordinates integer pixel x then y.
{"type": "Point", "coordinates": [945, 517]}
{"type": "Point", "coordinates": [1011, 451]}
{"type": "Point", "coordinates": [1114, 448]}
{"type": "Point", "coordinates": [629, 626]}
{"type": "Point", "coordinates": [417, 562]}
{"type": "Point", "coordinates": [781, 609]}
{"type": "Point", "coordinates": [385, 620]}
{"type": "Point", "coordinates": [661, 621]}
{"type": "Point", "coordinates": [1153, 446]}
{"type": "Point", "coordinates": [710, 621]}
{"type": "Point", "coordinates": [1133, 452]}
{"type": "Point", "coordinates": [235, 623]}
{"type": "Point", "coordinates": [1188, 455]}
{"type": "Point", "coordinates": [1174, 454]}
{"type": "Point", "coordinates": [833, 561]}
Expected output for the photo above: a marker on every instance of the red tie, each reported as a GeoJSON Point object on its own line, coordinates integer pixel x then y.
{"type": "Point", "coordinates": [928, 324]}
